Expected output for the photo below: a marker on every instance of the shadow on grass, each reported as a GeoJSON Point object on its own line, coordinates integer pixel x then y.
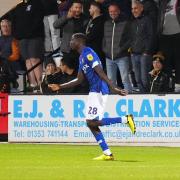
{"type": "Point", "coordinates": [129, 161]}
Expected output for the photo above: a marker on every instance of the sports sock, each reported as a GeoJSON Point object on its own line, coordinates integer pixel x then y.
{"type": "Point", "coordinates": [102, 143]}
{"type": "Point", "coordinates": [109, 121]}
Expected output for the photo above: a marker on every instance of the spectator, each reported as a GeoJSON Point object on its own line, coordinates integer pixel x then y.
{"type": "Point", "coordinates": [28, 28]}
{"type": "Point", "coordinates": [86, 6]}
{"type": "Point", "coordinates": [105, 4]}
{"type": "Point", "coordinates": [52, 76]}
{"type": "Point", "coordinates": [124, 4]}
{"type": "Point", "coordinates": [68, 68]}
{"type": "Point", "coordinates": [169, 33]}
{"type": "Point", "coordinates": [160, 82]}
{"type": "Point", "coordinates": [71, 23]}
{"type": "Point", "coordinates": [115, 46]}
{"type": "Point", "coordinates": [141, 45]}
{"type": "Point", "coordinates": [95, 30]}
{"type": "Point", "coordinates": [52, 35]}
{"type": "Point", "coordinates": [151, 10]}
{"type": "Point", "coordinates": [9, 54]}
{"type": "Point", "coordinates": [63, 7]}
{"type": "Point", "coordinates": [67, 73]}
{"type": "Point", "coordinates": [9, 47]}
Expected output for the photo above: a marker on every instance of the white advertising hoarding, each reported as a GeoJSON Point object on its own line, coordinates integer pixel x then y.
{"type": "Point", "coordinates": [62, 119]}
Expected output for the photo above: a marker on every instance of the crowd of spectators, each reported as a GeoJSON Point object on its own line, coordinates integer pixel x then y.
{"type": "Point", "coordinates": [138, 42]}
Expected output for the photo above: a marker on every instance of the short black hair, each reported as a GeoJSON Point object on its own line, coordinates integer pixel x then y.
{"type": "Point", "coordinates": [98, 5]}
{"type": "Point", "coordinates": [77, 1]}
{"type": "Point", "coordinates": [80, 36]}
{"type": "Point", "coordinates": [69, 60]}
{"type": "Point", "coordinates": [49, 61]}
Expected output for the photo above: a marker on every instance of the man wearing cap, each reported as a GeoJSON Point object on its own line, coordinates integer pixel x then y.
{"type": "Point", "coordinates": [160, 82]}
{"type": "Point", "coordinates": [52, 75]}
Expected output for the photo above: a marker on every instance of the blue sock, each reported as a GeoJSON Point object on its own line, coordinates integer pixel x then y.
{"type": "Point", "coordinates": [100, 139]}
{"type": "Point", "coordinates": [108, 121]}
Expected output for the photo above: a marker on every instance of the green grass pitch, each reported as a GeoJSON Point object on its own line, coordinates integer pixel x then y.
{"type": "Point", "coordinates": [64, 162]}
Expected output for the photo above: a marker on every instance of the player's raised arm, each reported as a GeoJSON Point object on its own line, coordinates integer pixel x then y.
{"type": "Point", "coordinates": [104, 77]}
{"type": "Point", "coordinates": [74, 82]}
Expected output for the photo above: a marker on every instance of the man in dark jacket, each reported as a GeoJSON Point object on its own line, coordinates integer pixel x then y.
{"type": "Point", "coordinates": [169, 36]}
{"type": "Point", "coordinates": [151, 10]}
{"type": "Point", "coordinates": [95, 30]}
{"type": "Point", "coordinates": [52, 35]}
{"type": "Point", "coordinates": [52, 76]}
{"type": "Point", "coordinates": [141, 45]}
{"type": "Point", "coordinates": [73, 22]}
{"type": "Point", "coordinates": [116, 42]}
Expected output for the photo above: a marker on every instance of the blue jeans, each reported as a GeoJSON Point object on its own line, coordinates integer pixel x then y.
{"type": "Point", "coordinates": [141, 67]}
{"type": "Point", "coordinates": [123, 65]}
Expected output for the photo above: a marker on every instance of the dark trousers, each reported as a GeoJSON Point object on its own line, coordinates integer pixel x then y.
{"type": "Point", "coordinates": [170, 46]}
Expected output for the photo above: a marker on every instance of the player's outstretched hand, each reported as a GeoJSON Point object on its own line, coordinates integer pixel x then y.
{"type": "Point", "coordinates": [119, 91]}
{"type": "Point", "coordinates": [54, 87]}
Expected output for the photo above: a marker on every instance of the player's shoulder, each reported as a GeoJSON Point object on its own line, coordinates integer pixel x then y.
{"type": "Point", "coordinates": [89, 54]}
{"type": "Point", "coordinates": [88, 50]}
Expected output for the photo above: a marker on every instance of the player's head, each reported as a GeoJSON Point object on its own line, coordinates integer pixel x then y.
{"type": "Point", "coordinates": [77, 41]}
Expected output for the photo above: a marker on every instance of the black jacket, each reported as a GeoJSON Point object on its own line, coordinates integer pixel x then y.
{"type": "Point", "coordinates": [151, 10]}
{"type": "Point", "coordinates": [142, 35]}
{"type": "Point", "coordinates": [159, 83]}
{"type": "Point", "coordinates": [27, 20]}
{"type": "Point", "coordinates": [116, 39]}
{"type": "Point", "coordinates": [162, 8]}
{"type": "Point", "coordinates": [81, 88]}
{"type": "Point", "coordinates": [95, 33]}
{"type": "Point", "coordinates": [50, 79]}
{"type": "Point", "coordinates": [50, 7]}
{"type": "Point", "coordinates": [61, 78]}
